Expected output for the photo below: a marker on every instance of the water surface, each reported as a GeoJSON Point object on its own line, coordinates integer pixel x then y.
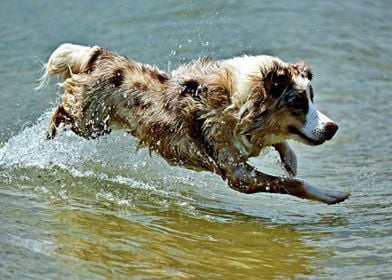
{"type": "Point", "coordinates": [79, 209]}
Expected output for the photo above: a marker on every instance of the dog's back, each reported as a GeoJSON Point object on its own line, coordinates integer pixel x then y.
{"type": "Point", "coordinates": [165, 111]}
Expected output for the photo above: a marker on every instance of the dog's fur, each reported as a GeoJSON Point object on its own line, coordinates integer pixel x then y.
{"type": "Point", "coordinates": [206, 115]}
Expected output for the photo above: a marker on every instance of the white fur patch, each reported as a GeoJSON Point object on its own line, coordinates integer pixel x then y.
{"type": "Point", "coordinates": [67, 58]}
{"type": "Point", "coordinates": [315, 123]}
{"type": "Point", "coordinates": [315, 120]}
{"type": "Point", "coordinates": [246, 66]}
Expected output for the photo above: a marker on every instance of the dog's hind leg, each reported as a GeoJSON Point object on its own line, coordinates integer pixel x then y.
{"type": "Point", "coordinates": [60, 117]}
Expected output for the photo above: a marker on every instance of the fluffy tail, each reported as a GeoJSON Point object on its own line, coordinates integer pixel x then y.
{"type": "Point", "coordinates": [66, 60]}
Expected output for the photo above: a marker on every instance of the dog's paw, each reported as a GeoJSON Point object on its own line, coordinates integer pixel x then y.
{"type": "Point", "coordinates": [326, 196]}
{"type": "Point", "coordinates": [51, 133]}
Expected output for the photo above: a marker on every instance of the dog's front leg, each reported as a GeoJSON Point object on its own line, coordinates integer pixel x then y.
{"type": "Point", "coordinates": [244, 178]}
{"type": "Point", "coordinates": [288, 157]}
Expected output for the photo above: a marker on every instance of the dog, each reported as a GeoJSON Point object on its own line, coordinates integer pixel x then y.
{"type": "Point", "coordinates": [207, 115]}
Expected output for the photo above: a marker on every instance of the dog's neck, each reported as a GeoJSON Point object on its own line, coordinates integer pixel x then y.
{"type": "Point", "coordinates": [249, 136]}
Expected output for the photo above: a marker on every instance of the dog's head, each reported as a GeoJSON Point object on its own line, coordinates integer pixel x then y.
{"type": "Point", "coordinates": [284, 105]}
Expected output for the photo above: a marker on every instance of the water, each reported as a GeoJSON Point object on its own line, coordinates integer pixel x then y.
{"type": "Point", "coordinates": [77, 209]}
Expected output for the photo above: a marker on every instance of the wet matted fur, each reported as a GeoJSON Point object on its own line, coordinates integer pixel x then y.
{"type": "Point", "coordinates": [206, 115]}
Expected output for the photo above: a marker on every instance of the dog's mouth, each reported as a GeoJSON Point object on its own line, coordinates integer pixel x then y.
{"type": "Point", "coordinates": [305, 139]}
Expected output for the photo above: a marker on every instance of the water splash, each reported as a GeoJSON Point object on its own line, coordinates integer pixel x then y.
{"type": "Point", "coordinates": [29, 148]}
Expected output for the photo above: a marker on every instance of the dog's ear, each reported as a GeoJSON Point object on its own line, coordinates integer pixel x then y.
{"type": "Point", "coordinates": [276, 80]}
{"type": "Point", "coordinates": [304, 68]}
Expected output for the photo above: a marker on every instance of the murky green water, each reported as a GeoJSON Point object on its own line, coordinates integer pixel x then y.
{"type": "Point", "coordinates": [77, 209]}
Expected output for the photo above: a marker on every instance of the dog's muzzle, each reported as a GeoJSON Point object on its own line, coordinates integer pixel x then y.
{"type": "Point", "coordinates": [317, 129]}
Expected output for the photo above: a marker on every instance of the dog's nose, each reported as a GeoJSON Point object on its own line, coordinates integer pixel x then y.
{"type": "Point", "coordinates": [330, 130]}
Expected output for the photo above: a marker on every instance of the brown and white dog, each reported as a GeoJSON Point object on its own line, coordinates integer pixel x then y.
{"type": "Point", "coordinates": [206, 115]}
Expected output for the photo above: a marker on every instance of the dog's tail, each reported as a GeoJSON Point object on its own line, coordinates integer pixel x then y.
{"type": "Point", "coordinates": [66, 60]}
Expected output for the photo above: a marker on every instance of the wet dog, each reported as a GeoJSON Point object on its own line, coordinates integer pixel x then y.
{"type": "Point", "coordinates": [206, 115]}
